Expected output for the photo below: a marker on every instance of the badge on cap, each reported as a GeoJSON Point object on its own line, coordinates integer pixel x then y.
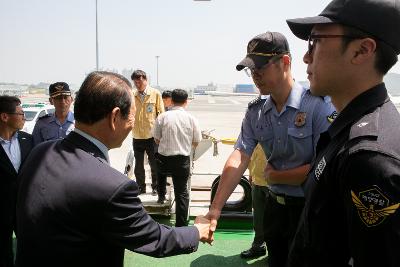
{"type": "Point", "coordinates": [252, 45]}
{"type": "Point", "coordinates": [332, 117]}
{"type": "Point", "coordinates": [373, 206]}
{"type": "Point", "coordinates": [300, 119]}
{"type": "Point", "coordinates": [149, 108]}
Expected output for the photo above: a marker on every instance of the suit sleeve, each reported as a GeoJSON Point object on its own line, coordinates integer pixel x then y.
{"type": "Point", "coordinates": [128, 225]}
{"type": "Point", "coordinates": [371, 194]}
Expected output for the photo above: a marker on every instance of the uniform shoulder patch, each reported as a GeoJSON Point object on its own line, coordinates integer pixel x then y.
{"type": "Point", "coordinates": [254, 101]}
{"type": "Point", "coordinates": [44, 116]}
{"type": "Point", "coordinates": [332, 117]}
{"type": "Point", "coordinates": [373, 206]}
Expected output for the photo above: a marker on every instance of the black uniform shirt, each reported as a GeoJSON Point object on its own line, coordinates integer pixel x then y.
{"type": "Point", "coordinates": [352, 213]}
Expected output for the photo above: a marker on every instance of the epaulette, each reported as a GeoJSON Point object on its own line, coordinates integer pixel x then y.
{"type": "Point", "coordinates": [254, 101]}
{"type": "Point", "coordinates": [44, 116]}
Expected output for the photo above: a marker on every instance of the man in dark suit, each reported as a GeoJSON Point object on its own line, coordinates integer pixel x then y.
{"type": "Point", "coordinates": [73, 209]}
{"type": "Point", "coordinates": [15, 146]}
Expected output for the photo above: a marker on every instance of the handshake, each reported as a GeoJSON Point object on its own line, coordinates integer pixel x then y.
{"type": "Point", "coordinates": [206, 227]}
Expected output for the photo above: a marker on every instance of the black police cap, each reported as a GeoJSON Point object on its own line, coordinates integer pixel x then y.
{"type": "Point", "coordinates": [379, 18]}
{"type": "Point", "coordinates": [262, 48]}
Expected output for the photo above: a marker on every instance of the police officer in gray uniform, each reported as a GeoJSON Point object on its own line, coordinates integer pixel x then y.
{"type": "Point", "coordinates": [287, 125]}
{"type": "Point", "coordinates": [61, 123]}
{"type": "Point", "coordinates": [352, 215]}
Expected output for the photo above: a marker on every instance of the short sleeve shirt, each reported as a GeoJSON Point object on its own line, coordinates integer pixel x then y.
{"type": "Point", "coordinates": [288, 137]}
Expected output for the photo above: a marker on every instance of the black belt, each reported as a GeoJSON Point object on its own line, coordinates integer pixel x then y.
{"type": "Point", "coordinates": [285, 199]}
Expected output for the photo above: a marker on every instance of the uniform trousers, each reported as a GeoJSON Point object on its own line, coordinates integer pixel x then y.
{"type": "Point", "coordinates": [179, 168]}
{"type": "Point", "coordinates": [259, 196]}
{"type": "Point", "coordinates": [139, 147]}
{"type": "Point", "coordinates": [280, 225]}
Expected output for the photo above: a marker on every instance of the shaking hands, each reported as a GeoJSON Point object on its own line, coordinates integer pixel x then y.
{"type": "Point", "coordinates": [206, 232]}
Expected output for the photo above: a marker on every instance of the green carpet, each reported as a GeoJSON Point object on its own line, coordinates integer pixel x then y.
{"type": "Point", "coordinates": [224, 252]}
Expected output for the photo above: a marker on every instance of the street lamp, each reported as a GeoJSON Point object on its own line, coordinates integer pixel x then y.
{"type": "Point", "coordinates": [157, 70]}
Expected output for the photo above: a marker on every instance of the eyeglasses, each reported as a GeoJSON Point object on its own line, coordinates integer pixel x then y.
{"type": "Point", "coordinates": [250, 71]}
{"type": "Point", "coordinates": [314, 38]}
{"type": "Point", "coordinates": [17, 113]}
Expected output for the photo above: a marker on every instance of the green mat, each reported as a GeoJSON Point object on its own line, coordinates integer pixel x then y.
{"type": "Point", "coordinates": [224, 252]}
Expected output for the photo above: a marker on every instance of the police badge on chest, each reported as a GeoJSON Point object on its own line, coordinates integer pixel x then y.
{"type": "Point", "coordinates": [300, 119]}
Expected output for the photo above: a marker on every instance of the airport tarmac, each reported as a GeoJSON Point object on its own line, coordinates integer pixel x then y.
{"type": "Point", "coordinates": [221, 114]}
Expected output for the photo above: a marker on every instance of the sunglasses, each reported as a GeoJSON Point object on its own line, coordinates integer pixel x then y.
{"type": "Point", "coordinates": [314, 38]}
{"type": "Point", "coordinates": [250, 71]}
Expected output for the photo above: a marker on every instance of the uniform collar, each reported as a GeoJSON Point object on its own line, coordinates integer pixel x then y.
{"type": "Point", "coordinates": [70, 117]}
{"type": "Point", "coordinates": [294, 99]}
{"type": "Point", "coordinates": [145, 92]}
{"type": "Point", "coordinates": [358, 107]}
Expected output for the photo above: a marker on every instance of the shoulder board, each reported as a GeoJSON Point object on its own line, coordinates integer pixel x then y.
{"type": "Point", "coordinates": [254, 101]}
{"type": "Point", "coordinates": [44, 116]}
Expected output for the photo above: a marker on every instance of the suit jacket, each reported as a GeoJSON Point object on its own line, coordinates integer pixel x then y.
{"type": "Point", "coordinates": [8, 180]}
{"type": "Point", "coordinates": [73, 209]}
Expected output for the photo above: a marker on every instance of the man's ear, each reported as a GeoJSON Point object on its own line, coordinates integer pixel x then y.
{"type": "Point", "coordinates": [114, 116]}
{"type": "Point", "coordinates": [51, 101]}
{"type": "Point", "coordinates": [364, 51]}
{"type": "Point", "coordinates": [3, 117]}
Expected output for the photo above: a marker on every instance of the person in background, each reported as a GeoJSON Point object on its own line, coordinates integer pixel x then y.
{"type": "Point", "coordinates": [176, 132]}
{"type": "Point", "coordinates": [259, 194]}
{"type": "Point", "coordinates": [167, 99]}
{"type": "Point", "coordinates": [61, 123]}
{"type": "Point", "coordinates": [149, 105]}
{"type": "Point", "coordinates": [352, 215]}
{"type": "Point", "coordinates": [15, 146]}
{"type": "Point", "coordinates": [287, 125]}
{"type": "Point", "coordinates": [74, 209]}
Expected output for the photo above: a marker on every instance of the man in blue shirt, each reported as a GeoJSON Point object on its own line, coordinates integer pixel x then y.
{"type": "Point", "coordinates": [287, 125]}
{"type": "Point", "coordinates": [15, 145]}
{"type": "Point", "coordinates": [61, 123]}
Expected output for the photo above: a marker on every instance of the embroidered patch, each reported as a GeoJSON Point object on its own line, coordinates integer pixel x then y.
{"type": "Point", "coordinates": [254, 101]}
{"type": "Point", "coordinates": [332, 117]}
{"type": "Point", "coordinates": [320, 168]}
{"type": "Point", "coordinates": [149, 108]}
{"type": "Point", "coordinates": [300, 119]}
{"type": "Point", "coordinates": [373, 206]}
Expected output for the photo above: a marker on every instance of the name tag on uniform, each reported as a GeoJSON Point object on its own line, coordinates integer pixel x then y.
{"type": "Point", "coordinates": [149, 108]}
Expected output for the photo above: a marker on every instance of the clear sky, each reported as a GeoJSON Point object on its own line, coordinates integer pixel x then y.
{"type": "Point", "coordinates": [198, 42]}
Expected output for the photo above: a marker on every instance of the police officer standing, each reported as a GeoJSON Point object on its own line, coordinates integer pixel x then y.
{"type": "Point", "coordinates": [287, 125]}
{"type": "Point", "coordinates": [352, 214]}
{"type": "Point", "coordinates": [61, 123]}
{"type": "Point", "coordinates": [149, 105]}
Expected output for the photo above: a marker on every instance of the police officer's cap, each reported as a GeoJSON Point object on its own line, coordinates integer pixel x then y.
{"type": "Point", "coordinates": [59, 88]}
{"type": "Point", "coordinates": [262, 48]}
{"type": "Point", "coordinates": [379, 18]}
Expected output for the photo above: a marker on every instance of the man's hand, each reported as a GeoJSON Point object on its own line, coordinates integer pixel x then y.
{"type": "Point", "coordinates": [212, 216]}
{"type": "Point", "coordinates": [203, 225]}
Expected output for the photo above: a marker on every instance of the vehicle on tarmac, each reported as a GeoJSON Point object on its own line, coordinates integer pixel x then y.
{"type": "Point", "coordinates": [33, 112]}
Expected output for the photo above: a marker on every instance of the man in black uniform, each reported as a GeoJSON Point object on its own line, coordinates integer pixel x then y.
{"type": "Point", "coordinates": [352, 215]}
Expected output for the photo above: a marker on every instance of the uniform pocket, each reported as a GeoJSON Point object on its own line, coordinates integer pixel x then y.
{"type": "Point", "coordinates": [300, 132]}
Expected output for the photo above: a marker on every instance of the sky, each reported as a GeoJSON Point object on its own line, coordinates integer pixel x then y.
{"type": "Point", "coordinates": [198, 42]}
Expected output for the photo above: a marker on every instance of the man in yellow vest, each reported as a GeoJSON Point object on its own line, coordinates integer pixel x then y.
{"type": "Point", "coordinates": [149, 105]}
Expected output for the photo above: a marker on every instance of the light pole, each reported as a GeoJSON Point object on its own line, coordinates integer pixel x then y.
{"type": "Point", "coordinates": [97, 42]}
{"type": "Point", "coordinates": [157, 70]}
